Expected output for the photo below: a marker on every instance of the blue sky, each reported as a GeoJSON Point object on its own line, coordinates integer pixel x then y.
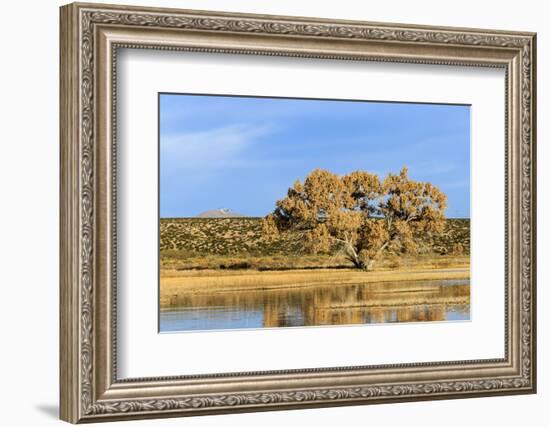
{"type": "Point", "coordinates": [243, 153]}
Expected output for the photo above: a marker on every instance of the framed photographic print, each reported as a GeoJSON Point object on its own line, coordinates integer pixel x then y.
{"type": "Point", "coordinates": [338, 248]}
{"type": "Point", "coordinates": [265, 212]}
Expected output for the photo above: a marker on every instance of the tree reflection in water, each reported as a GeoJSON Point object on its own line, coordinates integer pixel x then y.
{"type": "Point", "coordinates": [341, 304]}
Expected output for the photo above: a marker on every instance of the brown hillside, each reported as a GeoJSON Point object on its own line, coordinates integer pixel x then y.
{"type": "Point", "coordinates": [225, 236]}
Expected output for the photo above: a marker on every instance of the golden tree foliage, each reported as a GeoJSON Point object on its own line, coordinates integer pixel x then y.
{"type": "Point", "coordinates": [358, 213]}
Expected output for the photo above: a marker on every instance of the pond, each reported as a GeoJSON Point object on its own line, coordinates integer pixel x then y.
{"type": "Point", "coordinates": [338, 304]}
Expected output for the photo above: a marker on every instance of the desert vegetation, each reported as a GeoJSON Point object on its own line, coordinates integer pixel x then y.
{"type": "Point", "coordinates": [239, 243]}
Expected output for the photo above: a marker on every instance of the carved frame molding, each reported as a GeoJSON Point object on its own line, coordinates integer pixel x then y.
{"type": "Point", "coordinates": [90, 36]}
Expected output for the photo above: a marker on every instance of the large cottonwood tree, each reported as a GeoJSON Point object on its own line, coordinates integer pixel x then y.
{"type": "Point", "coordinates": [358, 214]}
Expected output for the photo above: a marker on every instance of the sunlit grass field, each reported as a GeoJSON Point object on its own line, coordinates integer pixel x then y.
{"type": "Point", "coordinates": [173, 281]}
{"type": "Point", "coordinates": [230, 254]}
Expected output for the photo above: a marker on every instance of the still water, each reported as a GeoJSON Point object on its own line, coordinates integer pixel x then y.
{"type": "Point", "coordinates": [342, 304]}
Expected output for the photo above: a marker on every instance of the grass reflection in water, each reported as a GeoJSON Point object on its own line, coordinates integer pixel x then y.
{"type": "Point", "coordinates": [343, 304]}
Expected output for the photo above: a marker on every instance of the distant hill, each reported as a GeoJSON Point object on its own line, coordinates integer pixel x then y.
{"type": "Point", "coordinates": [219, 213]}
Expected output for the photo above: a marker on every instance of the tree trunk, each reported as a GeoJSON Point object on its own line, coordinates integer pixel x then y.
{"type": "Point", "coordinates": [369, 263]}
{"type": "Point", "coordinates": [353, 257]}
{"type": "Point", "coordinates": [359, 264]}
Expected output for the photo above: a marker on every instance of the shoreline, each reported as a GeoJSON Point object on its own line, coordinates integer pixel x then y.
{"type": "Point", "coordinates": [203, 281]}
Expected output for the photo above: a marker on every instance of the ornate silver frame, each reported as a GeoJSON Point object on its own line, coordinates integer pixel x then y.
{"type": "Point", "coordinates": [90, 36]}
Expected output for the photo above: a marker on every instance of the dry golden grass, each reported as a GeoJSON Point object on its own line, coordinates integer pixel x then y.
{"type": "Point", "coordinates": [415, 295]}
{"type": "Point", "coordinates": [173, 282]}
{"type": "Point", "coordinates": [193, 273]}
{"type": "Point", "coordinates": [177, 261]}
{"type": "Point", "coordinates": [326, 296]}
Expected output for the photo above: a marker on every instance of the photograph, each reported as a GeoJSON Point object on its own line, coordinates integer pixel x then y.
{"type": "Point", "coordinates": [297, 212]}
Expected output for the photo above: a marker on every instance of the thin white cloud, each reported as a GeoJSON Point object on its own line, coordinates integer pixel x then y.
{"type": "Point", "coordinates": [212, 148]}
